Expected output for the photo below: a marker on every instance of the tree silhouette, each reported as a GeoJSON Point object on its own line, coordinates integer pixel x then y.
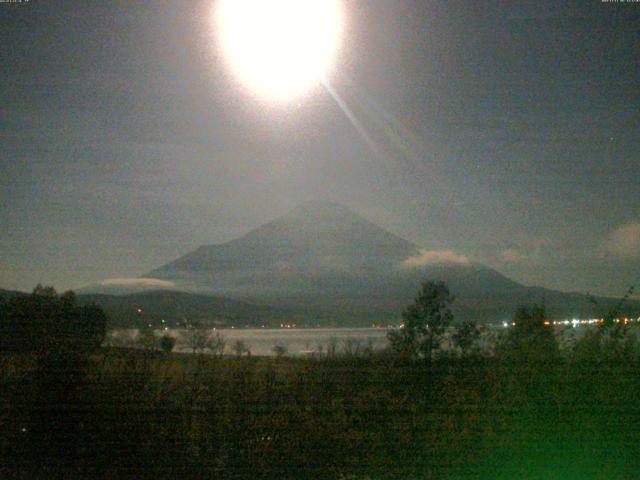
{"type": "Point", "coordinates": [425, 320]}
{"type": "Point", "coordinates": [240, 347]}
{"type": "Point", "coordinates": [531, 339]}
{"type": "Point", "coordinates": [147, 338]}
{"type": "Point", "coordinates": [466, 336]}
{"type": "Point", "coordinates": [217, 344]}
{"type": "Point", "coordinates": [167, 343]}
{"type": "Point", "coordinates": [198, 338]}
{"type": "Point", "coordinates": [45, 322]}
{"type": "Point", "coordinates": [279, 350]}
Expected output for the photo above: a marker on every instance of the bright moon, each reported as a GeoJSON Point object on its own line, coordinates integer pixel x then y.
{"type": "Point", "coordinates": [280, 48]}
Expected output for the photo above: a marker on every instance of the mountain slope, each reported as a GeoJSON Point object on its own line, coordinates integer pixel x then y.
{"type": "Point", "coordinates": [326, 261]}
{"type": "Point", "coordinates": [176, 308]}
{"type": "Point", "coordinates": [10, 293]}
{"type": "Point", "coordinates": [316, 244]}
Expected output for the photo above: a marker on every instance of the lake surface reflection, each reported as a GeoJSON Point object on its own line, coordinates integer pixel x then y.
{"type": "Point", "coordinates": [307, 341]}
{"type": "Point", "coordinates": [296, 341]}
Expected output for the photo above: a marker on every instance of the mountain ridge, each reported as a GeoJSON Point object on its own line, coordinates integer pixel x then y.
{"type": "Point", "coordinates": [176, 309]}
{"type": "Point", "coordinates": [325, 259]}
{"type": "Point", "coordinates": [172, 308]}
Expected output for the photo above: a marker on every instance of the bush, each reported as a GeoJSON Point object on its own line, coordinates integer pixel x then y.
{"type": "Point", "coordinates": [531, 339]}
{"type": "Point", "coordinates": [279, 350]}
{"type": "Point", "coordinates": [47, 322]}
{"type": "Point", "coordinates": [167, 343]}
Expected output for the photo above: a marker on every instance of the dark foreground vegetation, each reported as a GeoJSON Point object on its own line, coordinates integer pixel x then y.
{"type": "Point", "coordinates": [133, 414]}
{"type": "Point", "coordinates": [529, 412]}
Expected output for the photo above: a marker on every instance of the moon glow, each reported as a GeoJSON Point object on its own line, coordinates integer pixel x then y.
{"type": "Point", "coordinates": [280, 49]}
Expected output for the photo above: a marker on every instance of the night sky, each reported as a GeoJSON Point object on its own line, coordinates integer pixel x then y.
{"type": "Point", "coordinates": [508, 132]}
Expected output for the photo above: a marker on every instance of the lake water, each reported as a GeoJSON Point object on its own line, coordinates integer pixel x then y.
{"type": "Point", "coordinates": [296, 341]}
{"type": "Point", "coordinates": [303, 342]}
{"type": "Point", "coordinates": [306, 341]}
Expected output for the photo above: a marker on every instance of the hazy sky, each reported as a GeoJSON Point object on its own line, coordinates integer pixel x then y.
{"type": "Point", "coordinates": [509, 133]}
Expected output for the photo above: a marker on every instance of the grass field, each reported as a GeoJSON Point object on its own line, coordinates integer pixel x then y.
{"type": "Point", "coordinates": [135, 414]}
